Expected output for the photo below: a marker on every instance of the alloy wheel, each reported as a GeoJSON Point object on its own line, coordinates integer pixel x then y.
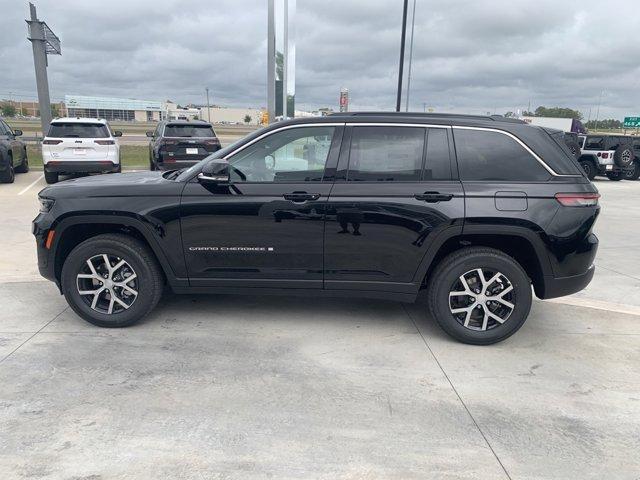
{"type": "Point", "coordinates": [482, 299]}
{"type": "Point", "coordinates": [107, 284]}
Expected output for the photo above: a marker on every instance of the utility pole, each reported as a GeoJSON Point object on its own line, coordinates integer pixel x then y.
{"type": "Point", "coordinates": [285, 56]}
{"type": "Point", "coordinates": [413, 23]}
{"type": "Point", "coordinates": [43, 42]}
{"type": "Point", "coordinates": [402, 42]}
{"type": "Point", "coordinates": [208, 108]}
{"type": "Point", "coordinates": [598, 109]}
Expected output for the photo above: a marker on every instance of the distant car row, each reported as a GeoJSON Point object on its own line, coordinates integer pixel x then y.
{"type": "Point", "coordinates": [86, 145]}
{"type": "Point", "coordinates": [13, 153]}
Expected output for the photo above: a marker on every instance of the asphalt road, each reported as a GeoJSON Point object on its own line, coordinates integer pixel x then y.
{"type": "Point", "coordinates": [231, 387]}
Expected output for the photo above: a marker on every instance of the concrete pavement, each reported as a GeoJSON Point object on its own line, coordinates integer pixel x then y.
{"type": "Point", "coordinates": [231, 387]}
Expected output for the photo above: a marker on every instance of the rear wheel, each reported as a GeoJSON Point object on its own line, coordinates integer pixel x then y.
{"type": "Point", "coordinates": [615, 176]}
{"type": "Point", "coordinates": [589, 169]}
{"type": "Point", "coordinates": [9, 174]}
{"type": "Point", "coordinates": [634, 172]}
{"type": "Point", "coordinates": [479, 295]}
{"type": "Point", "coordinates": [50, 177]}
{"type": "Point", "coordinates": [112, 280]}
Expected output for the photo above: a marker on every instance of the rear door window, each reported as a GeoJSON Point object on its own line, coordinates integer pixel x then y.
{"type": "Point", "coordinates": [594, 143]}
{"type": "Point", "coordinates": [438, 162]}
{"type": "Point", "coordinates": [201, 131]}
{"type": "Point", "coordinates": [494, 156]}
{"type": "Point", "coordinates": [386, 154]}
{"type": "Point", "coordinates": [78, 130]}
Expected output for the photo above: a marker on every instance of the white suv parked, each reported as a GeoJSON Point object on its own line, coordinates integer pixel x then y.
{"type": "Point", "coordinates": [80, 145]}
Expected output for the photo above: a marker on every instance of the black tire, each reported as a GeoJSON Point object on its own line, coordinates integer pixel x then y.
{"type": "Point", "coordinates": [634, 172]}
{"type": "Point", "coordinates": [623, 156]}
{"type": "Point", "coordinates": [24, 167]}
{"type": "Point", "coordinates": [9, 174]}
{"type": "Point", "coordinates": [448, 272]}
{"type": "Point", "coordinates": [150, 282]}
{"type": "Point", "coordinates": [50, 177]}
{"type": "Point", "coordinates": [574, 148]}
{"type": "Point", "coordinates": [615, 176]}
{"type": "Point", "coordinates": [589, 168]}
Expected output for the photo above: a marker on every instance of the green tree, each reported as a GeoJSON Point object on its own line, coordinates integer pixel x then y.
{"type": "Point", "coordinates": [558, 112]}
{"type": "Point", "coordinates": [606, 124]}
{"type": "Point", "coordinates": [247, 118]}
{"type": "Point", "coordinates": [8, 110]}
{"type": "Point", "coordinates": [55, 110]}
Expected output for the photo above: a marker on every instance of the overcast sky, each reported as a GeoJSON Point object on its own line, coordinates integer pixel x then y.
{"type": "Point", "coordinates": [469, 55]}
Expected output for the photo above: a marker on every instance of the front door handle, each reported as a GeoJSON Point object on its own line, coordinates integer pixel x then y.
{"type": "Point", "coordinates": [433, 197]}
{"type": "Point", "coordinates": [300, 197]}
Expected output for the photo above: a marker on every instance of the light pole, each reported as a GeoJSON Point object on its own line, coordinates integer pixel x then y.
{"type": "Point", "coordinates": [598, 109]}
{"type": "Point", "coordinates": [208, 108]}
{"type": "Point", "coordinates": [413, 24]}
{"type": "Point", "coordinates": [402, 42]}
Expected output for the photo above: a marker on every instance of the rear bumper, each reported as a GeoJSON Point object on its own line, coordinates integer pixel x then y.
{"type": "Point", "coordinates": [175, 164]}
{"type": "Point", "coordinates": [560, 286]}
{"type": "Point", "coordinates": [98, 166]}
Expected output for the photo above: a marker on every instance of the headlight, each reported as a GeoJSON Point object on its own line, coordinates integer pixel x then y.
{"type": "Point", "coordinates": [46, 204]}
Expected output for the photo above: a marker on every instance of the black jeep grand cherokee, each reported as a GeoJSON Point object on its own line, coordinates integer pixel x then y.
{"type": "Point", "coordinates": [475, 210]}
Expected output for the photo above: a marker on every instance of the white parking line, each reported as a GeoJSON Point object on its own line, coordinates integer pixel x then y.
{"type": "Point", "coordinates": [26, 189]}
{"type": "Point", "coordinates": [597, 304]}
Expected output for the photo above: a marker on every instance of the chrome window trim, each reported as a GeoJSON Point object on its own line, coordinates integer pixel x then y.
{"type": "Point", "coordinates": [391, 124]}
{"type": "Point", "coordinates": [523, 145]}
{"type": "Point", "coordinates": [271, 132]}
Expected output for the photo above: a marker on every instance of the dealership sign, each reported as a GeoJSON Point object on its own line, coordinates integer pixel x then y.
{"type": "Point", "coordinates": [631, 122]}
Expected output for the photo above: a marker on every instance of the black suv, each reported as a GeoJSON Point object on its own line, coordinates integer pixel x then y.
{"type": "Point", "coordinates": [180, 143]}
{"type": "Point", "coordinates": [475, 210]}
{"type": "Point", "coordinates": [13, 153]}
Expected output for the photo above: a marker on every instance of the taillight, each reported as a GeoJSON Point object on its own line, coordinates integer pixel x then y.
{"type": "Point", "coordinates": [605, 154]}
{"type": "Point", "coordinates": [105, 142]}
{"type": "Point", "coordinates": [51, 142]}
{"type": "Point", "coordinates": [578, 199]}
{"type": "Point", "coordinates": [211, 142]}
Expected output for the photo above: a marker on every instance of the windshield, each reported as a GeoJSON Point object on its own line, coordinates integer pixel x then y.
{"type": "Point", "coordinates": [78, 130]}
{"type": "Point", "coordinates": [223, 152]}
{"type": "Point", "coordinates": [201, 131]}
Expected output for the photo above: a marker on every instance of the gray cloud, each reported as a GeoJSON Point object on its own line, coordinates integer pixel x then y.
{"type": "Point", "coordinates": [469, 56]}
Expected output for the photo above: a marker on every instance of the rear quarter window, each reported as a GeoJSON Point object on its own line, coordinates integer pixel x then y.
{"type": "Point", "coordinates": [494, 156]}
{"type": "Point", "coordinates": [78, 130]}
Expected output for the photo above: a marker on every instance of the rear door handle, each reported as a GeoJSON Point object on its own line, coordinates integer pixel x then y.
{"type": "Point", "coordinates": [433, 197]}
{"type": "Point", "coordinates": [300, 197]}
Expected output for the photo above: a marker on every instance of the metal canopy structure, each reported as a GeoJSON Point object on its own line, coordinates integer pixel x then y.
{"type": "Point", "coordinates": [43, 42]}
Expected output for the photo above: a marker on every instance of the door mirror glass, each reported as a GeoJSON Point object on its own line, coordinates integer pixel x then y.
{"type": "Point", "coordinates": [17, 133]}
{"type": "Point", "coordinates": [269, 162]}
{"type": "Point", "coordinates": [216, 171]}
{"type": "Point", "coordinates": [149, 134]}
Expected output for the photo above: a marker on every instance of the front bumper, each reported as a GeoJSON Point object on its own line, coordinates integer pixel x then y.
{"type": "Point", "coordinates": [40, 228]}
{"type": "Point", "coordinates": [98, 166]}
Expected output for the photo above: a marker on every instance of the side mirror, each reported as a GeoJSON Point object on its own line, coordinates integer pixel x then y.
{"type": "Point", "coordinates": [216, 172]}
{"type": "Point", "coordinates": [117, 133]}
{"type": "Point", "coordinates": [149, 134]}
{"type": "Point", "coordinates": [17, 133]}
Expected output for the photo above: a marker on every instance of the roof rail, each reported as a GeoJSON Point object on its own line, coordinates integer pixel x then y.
{"type": "Point", "coordinates": [495, 118]}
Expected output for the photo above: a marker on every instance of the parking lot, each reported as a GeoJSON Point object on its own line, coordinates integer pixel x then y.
{"type": "Point", "coordinates": [273, 387]}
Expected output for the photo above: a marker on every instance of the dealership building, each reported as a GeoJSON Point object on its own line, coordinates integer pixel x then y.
{"type": "Point", "coordinates": [114, 108]}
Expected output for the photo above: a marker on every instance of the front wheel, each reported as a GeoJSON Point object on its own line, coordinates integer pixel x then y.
{"type": "Point", "coordinates": [112, 280]}
{"type": "Point", "coordinates": [479, 295]}
{"type": "Point", "coordinates": [615, 176]}
{"type": "Point", "coordinates": [24, 167]}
